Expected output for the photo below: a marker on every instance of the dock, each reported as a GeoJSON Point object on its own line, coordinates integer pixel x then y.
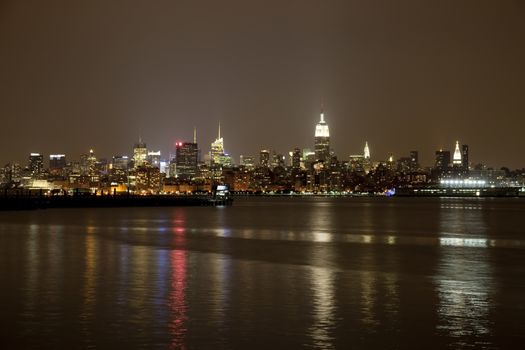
{"type": "Point", "coordinates": [29, 200]}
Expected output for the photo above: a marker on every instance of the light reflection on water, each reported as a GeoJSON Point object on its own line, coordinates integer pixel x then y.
{"type": "Point", "coordinates": [87, 315]}
{"type": "Point", "coordinates": [177, 299]}
{"type": "Point", "coordinates": [323, 307]}
{"type": "Point", "coordinates": [322, 279]}
{"type": "Point", "coordinates": [449, 239]}
{"type": "Point", "coordinates": [464, 282]}
{"type": "Point", "coordinates": [209, 278]}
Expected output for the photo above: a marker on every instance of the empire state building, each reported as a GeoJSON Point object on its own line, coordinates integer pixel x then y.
{"type": "Point", "coordinates": [322, 140]}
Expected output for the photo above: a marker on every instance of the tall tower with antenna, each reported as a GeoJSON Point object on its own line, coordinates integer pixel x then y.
{"type": "Point", "coordinates": [217, 150]}
{"type": "Point", "coordinates": [322, 139]}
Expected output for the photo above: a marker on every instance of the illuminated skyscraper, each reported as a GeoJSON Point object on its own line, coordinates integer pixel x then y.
{"type": "Point", "coordinates": [91, 163]}
{"type": "Point", "coordinates": [366, 152]}
{"type": "Point", "coordinates": [296, 159]}
{"type": "Point", "coordinates": [120, 162]}
{"type": "Point", "coordinates": [217, 149]}
{"type": "Point", "coordinates": [322, 140]}
{"type": "Point", "coordinates": [12, 172]}
{"type": "Point", "coordinates": [153, 159]}
{"type": "Point", "coordinates": [218, 159]}
{"type": "Point", "coordinates": [57, 163]}
{"type": "Point", "coordinates": [140, 153]}
{"type": "Point", "coordinates": [456, 161]}
{"type": "Point", "coordinates": [36, 164]}
{"type": "Point", "coordinates": [264, 158]}
{"type": "Point", "coordinates": [248, 162]}
{"type": "Point", "coordinates": [356, 163]}
{"type": "Point", "coordinates": [278, 160]}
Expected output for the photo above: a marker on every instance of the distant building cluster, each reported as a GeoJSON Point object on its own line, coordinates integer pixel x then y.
{"type": "Point", "coordinates": [300, 171]}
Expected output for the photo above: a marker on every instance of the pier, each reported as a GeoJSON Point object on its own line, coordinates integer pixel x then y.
{"type": "Point", "coordinates": [29, 200]}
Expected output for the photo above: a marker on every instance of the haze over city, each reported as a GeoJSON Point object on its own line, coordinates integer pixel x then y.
{"type": "Point", "coordinates": [203, 174]}
{"type": "Point", "coordinates": [401, 75]}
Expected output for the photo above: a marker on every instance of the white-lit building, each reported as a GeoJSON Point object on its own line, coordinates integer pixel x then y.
{"type": "Point", "coordinates": [322, 140]}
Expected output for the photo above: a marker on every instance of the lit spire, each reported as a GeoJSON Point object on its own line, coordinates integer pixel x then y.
{"type": "Point", "coordinates": [321, 129]}
{"type": "Point", "coordinates": [194, 134]}
{"type": "Point", "coordinates": [457, 155]}
{"type": "Point", "coordinates": [322, 111]}
{"type": "Point", "coordinates": [367, 151]}
{"type": "Point", "coordinates": [219, 130]}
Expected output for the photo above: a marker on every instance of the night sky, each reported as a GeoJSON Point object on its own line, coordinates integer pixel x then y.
{"type": "Point", "coordinates": [401, 75]}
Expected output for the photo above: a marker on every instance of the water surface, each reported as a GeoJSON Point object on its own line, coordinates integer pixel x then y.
{"type": "Point", "coordinates": [267, 272]}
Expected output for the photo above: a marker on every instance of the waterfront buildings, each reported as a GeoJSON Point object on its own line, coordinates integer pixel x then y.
{"type": "Point", "coordinates": [317, 171]}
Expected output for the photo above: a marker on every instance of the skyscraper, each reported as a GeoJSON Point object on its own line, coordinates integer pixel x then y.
{"type": "Point", "coordinates": [456, 161]}
{"type": "Point", "coordinates": [414, 160]}
{"type": "Point", "coordinates": [217, 149]}
{"type": "Point", "coordinates": [322, 140]}
{"type": "Point", "coordinates": [296, 159]}
{"type": "Point", "coordinates": [264, 158]}
{"type": "Point", "coordinates": [91, 163]}
{"type": "Point", "coordinates": [248, 162]}
{"type": "Point", "coordinates": [36, 164]}
{"type": "Point", "coordinates": [140, 154]}
{"type": "Point", "coordinates": [442, 160]}
{"type": "Point", "coordinates": [153, 159]}
{"type": "Point", "coordinates": [120, 162]}
{"type": "Point", "coordinates": [366, 151]}
{"type": "Point", "coordinates": [277, 160]}
{"type": "Point", "coordinates": [57, 163]}
{"type": "Point", "coordinates": [464, 157]}
{"type": "Point", "coordinates": [12, 172]}
{"type": "Point", "coordinates": [186, 156]}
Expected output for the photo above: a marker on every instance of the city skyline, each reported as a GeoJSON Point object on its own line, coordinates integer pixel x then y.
{"type": "Point", "coordinates": [399, 75]}
{"type": "Point", "coordinates": [236, 174]}
{"type": "Point", "coordinates": [205, 150]}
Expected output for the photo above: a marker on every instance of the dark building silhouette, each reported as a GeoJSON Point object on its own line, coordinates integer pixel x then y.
{"type": "Point", "coordinates": [442, 160]}
{"type": "Point", "coordinates": [414, 160]}
{"type": "Point", "coordinates": [186, 158]}
{"type": "Point", "coordinates": [464, 157]}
